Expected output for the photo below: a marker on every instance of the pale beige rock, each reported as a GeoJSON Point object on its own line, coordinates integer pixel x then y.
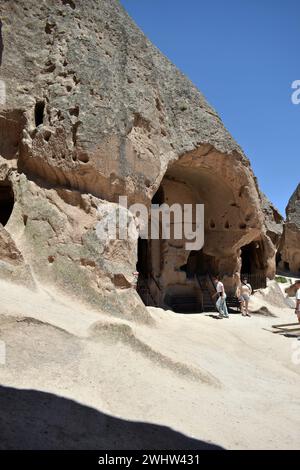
{"type": "Point", "coordinates": [93, 111]}
{"type": "Point", "coordinates": [290, 243]}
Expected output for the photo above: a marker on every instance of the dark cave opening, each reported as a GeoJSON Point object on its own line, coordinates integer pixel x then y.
{"type": "Point", "coordinates": [39, 113]}
{"type": "Point", "coordinates": [7, 201]}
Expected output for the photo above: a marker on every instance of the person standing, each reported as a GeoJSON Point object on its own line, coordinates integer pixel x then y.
{"type": "Point", "coordinates": [221, 298]}
{"type": "Point", "coordinates": [246, 291]}
{"type": "Point", "coordinates": [238, 294]}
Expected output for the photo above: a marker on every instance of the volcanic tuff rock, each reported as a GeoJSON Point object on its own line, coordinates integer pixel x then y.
{"type": "Point", "coordinates": [93, 111]}
{"type": "Point", "coordinates": [290, 244]}
{"type": "Point", "coordinates": [274, 221]}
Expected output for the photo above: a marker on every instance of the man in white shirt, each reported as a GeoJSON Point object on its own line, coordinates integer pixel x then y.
{"type": "Point", "coordinates": [221, 298]}
{"type": "Point", "coordinates": [297, 311]}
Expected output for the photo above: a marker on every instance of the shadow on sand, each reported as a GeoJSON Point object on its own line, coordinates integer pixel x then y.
{"type": "Point", "coordinates": [31, 419]}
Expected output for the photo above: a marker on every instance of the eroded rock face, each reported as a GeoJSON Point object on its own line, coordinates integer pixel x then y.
{"type": "Point", "coordinates": [12, 264]}
{"type": "Point", "coordinates": [274, 221]}
{"type": "Point", "coordinates": [290, 244]}
{"type": "Point", "coordinates": [94, 111]}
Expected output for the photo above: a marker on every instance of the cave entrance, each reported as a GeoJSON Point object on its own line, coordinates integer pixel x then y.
{"type": "Point", "coordinates": [7, 201]}
{"type": "Point", "coordinates": [199, 263]}
{"type": "Point", "coordinates": [253, 267]}
{"type": "Point", "coordinates": [252, 258]}
{"type": "Point", "coordinates": [144, 268]}
{"type": "Point", "coordinates": [149, 253]}
{"type": "Point", "coordinates": [142, 265]}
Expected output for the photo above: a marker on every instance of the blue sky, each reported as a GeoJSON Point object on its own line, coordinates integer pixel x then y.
{"type": "Point", "coordinates": [243, 55]}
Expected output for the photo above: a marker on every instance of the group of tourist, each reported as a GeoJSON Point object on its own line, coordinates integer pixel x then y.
{"type": "Point", "coordinates": [243, 293]}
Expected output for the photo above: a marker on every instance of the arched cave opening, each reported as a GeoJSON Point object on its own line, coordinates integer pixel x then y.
{"type": "Point", "coordinates": [7, 201]}
{"type": "Point", "coordinates": [253, 267]}
{"type": "Point", "coordinates": [252, 258]}
{"type": "Point", "coordinates": [170, 274]}
{"type": "Point", "coordinates": [175, 276]}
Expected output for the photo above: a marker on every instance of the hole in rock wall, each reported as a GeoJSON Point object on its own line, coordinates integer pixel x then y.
{"type": "Point", "coordinates": [39, 113]}
{"type": "Point", "coordinates": [70, 3]}
{"type": "Point", "coordinates": [7, 201]}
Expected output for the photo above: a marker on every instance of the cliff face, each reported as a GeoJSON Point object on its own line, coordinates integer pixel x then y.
{"type": "Point", "coordinates": [93, 111]}
{"type": "Point", "coordinates": [113, 110]}
{"type": "Point", "coordinates": [290, 244]}
{"type": "Point", "coordinates": [274, 222]}
{"type": "Point", "coordinates": [293, 209]}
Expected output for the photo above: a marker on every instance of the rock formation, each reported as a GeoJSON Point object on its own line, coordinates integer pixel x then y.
{"type": "Point", "coordinates": [94, 111]}
{"type": "Point", "coordinates": [274, 221]}
{"type": "Point", "coordinates": [289, 259]}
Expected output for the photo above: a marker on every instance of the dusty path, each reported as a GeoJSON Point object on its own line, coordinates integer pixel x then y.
{"type": "Point", "coordinates": [189, 381]}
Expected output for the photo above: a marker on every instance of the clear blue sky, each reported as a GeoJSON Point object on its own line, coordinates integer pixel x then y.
{"type": "Point", "coordinates": [243, 55]}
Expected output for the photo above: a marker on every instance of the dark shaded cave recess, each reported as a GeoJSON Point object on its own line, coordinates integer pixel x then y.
{"type": "Point", "coordinates": [7, 201]}
{"type": "Point", "coordinates": [253, 264]}
{"type": "Point", "coordinates": [39, 111]}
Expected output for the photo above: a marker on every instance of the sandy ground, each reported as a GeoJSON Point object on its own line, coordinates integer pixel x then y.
{"type": "Point", "coordinates": [75, 378]}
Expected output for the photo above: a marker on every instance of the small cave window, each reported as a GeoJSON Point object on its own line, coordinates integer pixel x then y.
{"type": "Point", "coordinates": [158, 197]}
{"type": "Point", "coordinates": [183, 268]}
{"type": "Point", "coordinates": [70, 3]}
{"type": "Point", "coordinates": [7, 201]}
{"type": "Point", "coordinates": [39, 113]}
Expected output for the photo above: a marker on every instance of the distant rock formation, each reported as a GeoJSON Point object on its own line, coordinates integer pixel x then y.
{"type": "Point", "coordinates": [274, 221]}
{"type": "Point", "coordinates": [94, 111]}
{"type": "Point", "coordinates": [289, 258]}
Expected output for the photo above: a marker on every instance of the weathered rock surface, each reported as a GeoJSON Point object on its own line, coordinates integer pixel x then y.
{"type": "Point", "coordinates": [290, 244]}
{"type": "Point", "coordinates": [274, 221]}
{"type": "Point", "coordinates": [93, 111]}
